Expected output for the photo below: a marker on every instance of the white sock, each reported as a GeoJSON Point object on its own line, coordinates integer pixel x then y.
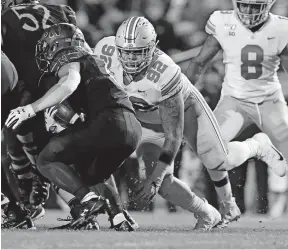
{"type": "Point", "coordinates": [253, 146]}
{"type": "Point", "coordinates": [88, 197]}
{"type": "Point", "coordinates": [67, 197]}
{"type": "Point", "coordinates": [179, 194]}
{"type": "Point", "coordinates": [222, 184]}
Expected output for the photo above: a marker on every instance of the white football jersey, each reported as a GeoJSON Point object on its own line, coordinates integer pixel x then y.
{"type": "Point", "coordinates": [162, 80]}
{"type": "Point", "coordinates": [251, 59]}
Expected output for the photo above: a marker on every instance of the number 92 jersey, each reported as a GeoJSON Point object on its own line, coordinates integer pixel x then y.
{"type": "Point", "coordinates": [251, 59]}
{"type": "Point", "coordinates": [161, 80]}
{"type": "Point", "coordinates": [22, 27]}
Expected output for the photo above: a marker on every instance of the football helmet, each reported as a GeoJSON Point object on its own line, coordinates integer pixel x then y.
{"type": "Point", "coordinates": [55, 39]}
{"type": "Point", "coordinates": [9, 3]}
{"type": "Point", "coordinates": [249, 17]}
{"type": "Point", "coordinates": [135, 42]}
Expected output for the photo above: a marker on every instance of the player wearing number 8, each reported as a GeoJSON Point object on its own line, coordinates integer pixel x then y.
{"type": "Point", "coordinates": [253, 41]}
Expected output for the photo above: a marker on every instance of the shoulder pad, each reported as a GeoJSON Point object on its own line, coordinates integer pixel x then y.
{"type": "Point", "coordinates": [67, 56]}
{"type": "Point", "coordinates": [226, 12]}
{"type": "Point", "coordinates": [109, 40]}
{"type": "Point", "coordinates": [282, 17]}
{"type": "Point", "coordinates": [158, 52]}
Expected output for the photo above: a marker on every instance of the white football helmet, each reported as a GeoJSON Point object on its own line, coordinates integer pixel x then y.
{"type": "Point", "coordinates": [135, 41]}
{"type": "Point", "coordinates": [251, 20]}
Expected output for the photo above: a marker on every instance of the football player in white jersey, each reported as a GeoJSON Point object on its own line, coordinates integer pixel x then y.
{"type": "Point", "coordinates": [161, 94]}
{"type": "Point", "coordinates": [253, 41]}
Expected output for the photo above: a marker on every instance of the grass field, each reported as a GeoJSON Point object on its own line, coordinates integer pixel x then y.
{"type": "Point", "coordinates": [157, 230]}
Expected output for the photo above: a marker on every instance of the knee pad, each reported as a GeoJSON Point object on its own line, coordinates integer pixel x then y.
{"type": "Point", "coordinates": [213, 158]}
{"type": "Point", "coordinates": [211, 149]}
{"type": "Point", "coordinates": [216, 175]}
{"type": "Point", "coordinates": [281, 130]}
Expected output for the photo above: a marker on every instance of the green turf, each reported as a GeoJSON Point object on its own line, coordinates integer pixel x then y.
{"type": "Point", "coordinates": [157, 230]}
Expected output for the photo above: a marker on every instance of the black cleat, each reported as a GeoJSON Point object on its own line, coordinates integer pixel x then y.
{"type": "Point", "coordinates": [124, 226]}
{"type": "Point", "coordinates": [40, 191]}
{"type": "Point", "coordinates": [84, 215]}
{"type": "Point", "coordinates": [13, 221]}
{"type": "Point", "coordinates": [91, 223]}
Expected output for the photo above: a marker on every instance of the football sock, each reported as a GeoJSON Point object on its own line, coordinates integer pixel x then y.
{"type": "Point", "coordinates": [107, 191]}
{"type": "Point", "coordinates": [29, 146]}
{"type": "Point", "coordinates": [19, 163]}
{"type": "Point", "coordinates": [88, 197]}
{"type": "Point", "coordinates": [178, 193]}
{"type": "Point", "coordinates": [222, 184]}
{"type": "Point", "coordinates": [63, 177]}
{"type": "Point", "coordinates": [66, 197]}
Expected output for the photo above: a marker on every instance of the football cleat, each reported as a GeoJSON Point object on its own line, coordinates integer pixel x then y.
{"type": "Point", "coordinates": [91, 223]}
{"type": "Point", "coordinates": [37, 213]}
{"type": "Point", "coordinates": [269, 154]}
{"type": "Point", "coordinates": [129, 218]}
{"type": "Point", "coordinates": [229, 211]}
{"type": "Point", "coordinates": [17, 219]}
{"type": "Point", "coordinates": [209, 220]}
{"type": "Point", "coordinates": [120, 223]}
{"type": "Point", "coordinates": [87, 211]}
{"type": "Point", "coordinates": [4, 201]}
{"type": "Point", "coordinates": [40, 191]}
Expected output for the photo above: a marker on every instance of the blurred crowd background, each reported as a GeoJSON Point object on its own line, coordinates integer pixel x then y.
{"type": "Point", "coordinates": [180, 28]}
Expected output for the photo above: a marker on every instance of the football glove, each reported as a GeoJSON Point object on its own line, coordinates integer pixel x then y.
{"type": "Point", "coordinates": [50, 124]}
{"type": "Point", "coordinates": [19, 115]}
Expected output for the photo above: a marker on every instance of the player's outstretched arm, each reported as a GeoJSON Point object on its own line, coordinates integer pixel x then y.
{"type": "Point", "coordinates": [69, 80]}
{"type": "Point", "coordinates": [172, 117]}
{"type": "Point", "coordinates": [284, 59]}
{"type": "Point", "coordinates": [68, 83]}
{"type": "Point", "coordinates": [197, 65]}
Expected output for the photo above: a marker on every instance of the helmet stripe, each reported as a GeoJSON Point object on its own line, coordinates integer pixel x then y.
{"type": "Point", "coordinates": [130, 29]}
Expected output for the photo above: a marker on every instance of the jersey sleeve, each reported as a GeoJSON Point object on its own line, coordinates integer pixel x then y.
{"type": "Point", "coordinates": [283, 26]}
{"type": "Point", "coordinates": [211, 24]}
{"type": "Point", "coordinates": [105, 49]}
{"type": "Point", "coordinates": [214, 23]}
{"type": "Point", "coordinates": [170, 82]}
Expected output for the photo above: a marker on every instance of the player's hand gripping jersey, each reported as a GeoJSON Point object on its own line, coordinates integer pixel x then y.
{"type": "Point", "coordinates": [162, 80]}
{"type": "Point", "coordinates": [251, 59]}
{"type": "Point", "coordinates": [22, 27]}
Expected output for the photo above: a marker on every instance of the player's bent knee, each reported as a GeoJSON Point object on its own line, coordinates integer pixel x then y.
{"type": "Point", "coordinates": [47, 155]}
{"type": "Point", "coordinates": [213, 158]}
